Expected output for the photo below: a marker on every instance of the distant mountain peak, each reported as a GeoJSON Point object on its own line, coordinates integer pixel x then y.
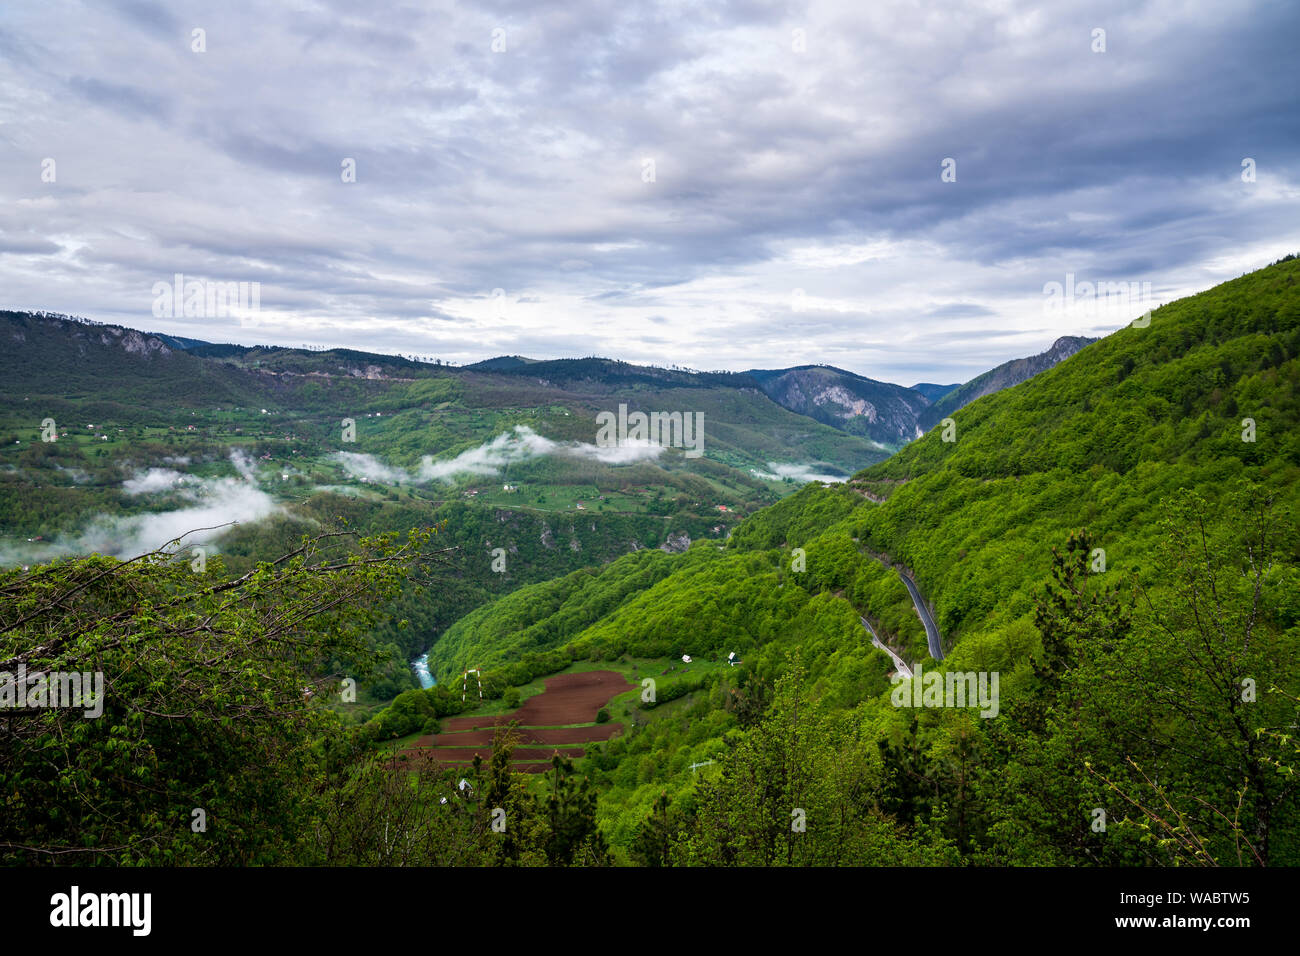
{"type": "Point", "coordinates": [1004, 376]}
{"type": "Point", "coordinates": [881, 411]}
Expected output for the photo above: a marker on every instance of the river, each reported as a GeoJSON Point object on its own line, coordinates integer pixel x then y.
{"type": "Point", "coordinates": [421, 667]}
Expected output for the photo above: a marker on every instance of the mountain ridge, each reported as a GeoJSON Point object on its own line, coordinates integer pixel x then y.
{"type": "Point", "coordinates": [1003, 376]}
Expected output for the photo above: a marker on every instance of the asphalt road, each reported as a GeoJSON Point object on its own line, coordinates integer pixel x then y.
{"type": "Point", "coordinates": [931, 629]}
{"type": "Point", "coordinates": [875, 640]}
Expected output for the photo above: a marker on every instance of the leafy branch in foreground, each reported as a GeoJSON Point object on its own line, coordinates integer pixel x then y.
{"type": "Point", "coordinates": [213, 698]}
{"type": "Point", "coordinates": [1196, 705]}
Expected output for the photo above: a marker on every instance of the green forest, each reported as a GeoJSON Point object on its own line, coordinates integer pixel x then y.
{"type": "Point", "coordinates": [1116, 539]}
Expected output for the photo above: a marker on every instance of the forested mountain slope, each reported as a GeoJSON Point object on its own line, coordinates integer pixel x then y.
{"type": "Point", "coordinates": [1004, 376]}
{"type": "Point", "coordinates": [1160, 467]}
{"type": "Point", "coordinates": [1096, 441]}
{"type": "Point", "coordinates": [151, 437]}
{"type": "Point", "coordinates": [888, 413]}
{"type": "Point", "coordinates": [881, 411]}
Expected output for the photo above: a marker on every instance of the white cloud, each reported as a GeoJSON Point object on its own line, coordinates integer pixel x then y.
{"type": "Point", "coordinates": [215, 504]}
{"type": "Point", "coordinates": [521, 444]}
{"type": "Point", "coordinates": [491, 457]}
{"type": "Point", "coordinates": [624, 453]}
{"type": "Point", "coordinates": [775, 170]}
{"type": "Point", "coordinates": [153, 481]}
{"type": "Point", "coordinates": [796, 472]}
{"type": "Point", "coordinates": [370, 468]}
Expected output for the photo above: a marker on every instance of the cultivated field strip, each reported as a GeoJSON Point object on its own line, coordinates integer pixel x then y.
{"type": "Point", "coordinates": [558, 720]}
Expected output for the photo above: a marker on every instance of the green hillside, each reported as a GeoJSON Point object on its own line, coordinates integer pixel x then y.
{"type": "Point", "coordinates": [1110, 550]}
{"type": "Point", "coordinates": [1003, 376]}
{"type": "Point", "coordinates": [1098, 441]}
{"type": "Point", "coordinates": [1161, 674]}
{"type": "Point", "coordinates": [214, 421]}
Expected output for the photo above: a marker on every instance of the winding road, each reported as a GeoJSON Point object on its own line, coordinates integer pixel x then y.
{"type": "Point", "coordinates": [922, 610]}
{"type": "Point", "coordinates": [876, 641]}
{"type": "Point", "coordinates": [931, 629]}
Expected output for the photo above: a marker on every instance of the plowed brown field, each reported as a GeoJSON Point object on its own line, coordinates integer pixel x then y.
{"type": "Point", "coordinates": [567, 699]}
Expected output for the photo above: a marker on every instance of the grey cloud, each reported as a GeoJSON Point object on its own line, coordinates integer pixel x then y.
{"type": "Point", "coordinates": [959, 310]}
{"type": "Point", "coordinates": [27, 245]}
{"type": "Point", "coordinates": [122, 98]}
{"type": "Point", "coordinates": [522, 170]}
{"type": "Point", "coordinates": [153, 18]}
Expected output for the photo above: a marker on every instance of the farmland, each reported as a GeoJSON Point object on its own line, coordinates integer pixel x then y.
{"type": "Point", "coordinates": [562, 716]}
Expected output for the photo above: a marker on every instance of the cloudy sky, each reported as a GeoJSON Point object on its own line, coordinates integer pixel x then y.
{"type": "Point", "coordinates": [713, 185]}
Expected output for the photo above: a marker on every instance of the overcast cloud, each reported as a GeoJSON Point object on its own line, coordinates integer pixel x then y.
{"type": "Point", "coordinates": [796, 212]}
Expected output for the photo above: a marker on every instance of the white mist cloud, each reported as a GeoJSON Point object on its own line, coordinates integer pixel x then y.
{"type": "Point", "coordinates": [488, 459]}
{"type": "Point", "coordinates": [796, 472]}
{"type": "Point", "coordinates": [522, 444]}
{"type": "Point", "coordinates": [217, 502]}
{"type": "Point", "coordinates": [370, 468]}
{"type": "Point", "coordinates": [153, 481]}
{"type": "Point", "coordinates": [214, 502]}
{"type": "Point", "coordinates": [629, 451]}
